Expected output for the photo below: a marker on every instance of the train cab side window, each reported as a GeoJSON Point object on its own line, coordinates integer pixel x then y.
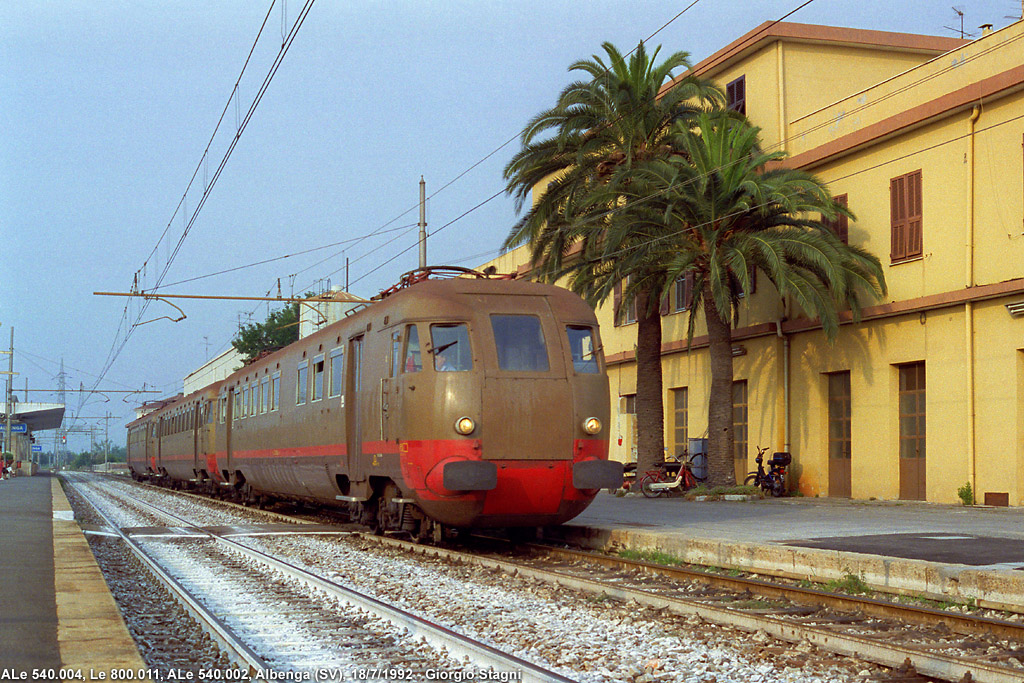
{"type": "Point", "coordinates": [222, 407]}
{"type": "Point", "coordinates": [520, 343]}
{"type": "Point", "coordinates": [237, 404]}
{"type": "Point", "coordinates": [257, 392]}
{"type": "Point", "coordinates": [301, 379]}
{"type": "Point", "coordinates": [318, 378]}
{"type": "Point", "coordinates": [245, 401]}
{"type": "Point", "coordinates": [413, 360]}
{"type": "Point", "coordinates": [337, 372]}
{"type": "Point", "coordinates": [451, 347]}
{"type": "Point", "coordinates": [275, 390]}
{"type": "Point", "coordinates": [265, 391]}
{"type": "Point", "coordinates": [583, 349]}
{"type": "Point", "coordinates": [396, 352]}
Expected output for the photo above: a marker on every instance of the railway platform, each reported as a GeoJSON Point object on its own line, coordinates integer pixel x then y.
{"type": "Point", "coordinates": [943, 552]}
{"type": "Point", "coordinates": [55, 608]}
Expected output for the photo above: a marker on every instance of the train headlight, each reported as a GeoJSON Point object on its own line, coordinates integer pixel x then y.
{"type": "Point", "coordinates": [465, 425]}
{"type": "Point", "coordinates": [592, 425]}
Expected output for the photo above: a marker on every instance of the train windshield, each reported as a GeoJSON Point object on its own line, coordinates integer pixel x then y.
{"type": "Point", "coordinates": [581, 344]}
{"type": "Point", "coordinates": [520, 343]}
{"type": "Point", "coordinates": [451, 347]}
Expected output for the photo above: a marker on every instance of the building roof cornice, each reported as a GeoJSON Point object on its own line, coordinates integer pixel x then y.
{"type": "Point", "coordinates": [771, 31]}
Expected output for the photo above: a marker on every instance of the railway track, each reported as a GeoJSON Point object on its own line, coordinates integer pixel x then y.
{"type": "Point", "coordinates": [930, 642]}
{"type": "Point", "coordinates": [917, 641]}
{"type": "Point", "coordinates": [270, 614]}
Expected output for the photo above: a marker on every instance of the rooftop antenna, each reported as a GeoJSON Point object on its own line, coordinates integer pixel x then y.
{"type": "Point", "coordinates": [960, 13]}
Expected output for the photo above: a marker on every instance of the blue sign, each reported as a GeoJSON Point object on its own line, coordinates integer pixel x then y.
{"type": "Point", "coordinates": [37, 449]}
{"type": "Point", "coordinates": [19, 428]}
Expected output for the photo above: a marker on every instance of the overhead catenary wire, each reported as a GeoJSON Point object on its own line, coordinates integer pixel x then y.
{"type": "Point", "coordinates": [116, 347]}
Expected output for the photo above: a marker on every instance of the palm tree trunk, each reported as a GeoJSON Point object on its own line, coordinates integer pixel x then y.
{"type": "Point", "coordinates": [721, 471]}
{"type": "Point", "coordinates": [650, 420]}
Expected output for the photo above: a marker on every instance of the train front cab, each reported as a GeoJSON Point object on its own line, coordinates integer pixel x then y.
{"type": "Point", "coordinates": [512, 403]}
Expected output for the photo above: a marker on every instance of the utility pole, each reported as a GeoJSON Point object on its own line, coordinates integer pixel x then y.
{"type": "Point", "coordinates": [61, 432]}
{"type": "Point", "coordinates": [106, 442]}
{"type": "Point", "coordinates": [423, 223]}
{"type": "Point", "coordinates": [9, 405]}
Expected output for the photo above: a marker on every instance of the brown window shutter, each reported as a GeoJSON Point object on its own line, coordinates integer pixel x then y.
{"type": "Point", "coordinates": [617, 304]}
{"type": "Point", "coordinates": [689, 291]}
{"type": "Point", "coordinates": [914, 205]}
{"type": "Point", "coordinates": [842, 223]}
{"type": "Point", "coordinates": [898, 217]}
{"type": "Point", "coordinates": [664, 308]}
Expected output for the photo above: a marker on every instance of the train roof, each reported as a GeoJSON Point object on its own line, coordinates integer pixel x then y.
{"type": "Point", "coordinates": [413, 298]}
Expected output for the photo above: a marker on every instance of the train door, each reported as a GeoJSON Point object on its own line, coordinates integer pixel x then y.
{"type": "Point", "coordinates": [353, 409]}
{"type": "Point", "coordinates": [227, 429]}
{"type": "Point", "coordinates": [197, 425]}
{"type": "Point", "coordinates": [528, 384]}
{"type": "Point", "coordinates": [390, 398]}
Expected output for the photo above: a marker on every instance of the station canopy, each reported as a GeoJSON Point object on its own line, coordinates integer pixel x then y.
{"type": "Point", "coordinates": [38, 416]}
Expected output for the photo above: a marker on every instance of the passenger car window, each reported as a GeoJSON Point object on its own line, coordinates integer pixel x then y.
{"type": "Point", "coordinates": [337, 371]}
{"type": "Point", "coordinates": [451, 347]}
{"type": "Point", "coordinates": [301, 378]}
{"type": "Point", "coordinates": [581, 345]}
{"type": "Point", "coordinates": [318, 378]}
{"type": "Point", "coordinates": [520, 343]}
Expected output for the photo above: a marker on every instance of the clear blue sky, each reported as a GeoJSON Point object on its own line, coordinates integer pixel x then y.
{"type": "Point", "coordinates": [106, 107]}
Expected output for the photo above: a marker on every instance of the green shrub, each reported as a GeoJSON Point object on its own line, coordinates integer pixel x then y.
{"type": "Point", "coordinates": [966, 493]}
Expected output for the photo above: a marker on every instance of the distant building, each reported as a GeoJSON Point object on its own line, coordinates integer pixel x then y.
{"type": "Point", "coordinates": [213, 370]}
{"type": "Point", "coordinates": [315, 316]}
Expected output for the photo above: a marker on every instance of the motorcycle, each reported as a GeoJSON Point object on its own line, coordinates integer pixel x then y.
{"type": "Point", "coordinates": [774, 480]}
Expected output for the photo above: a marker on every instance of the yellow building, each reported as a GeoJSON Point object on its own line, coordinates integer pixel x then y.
{"type": "Point", "coordinates": [922, 137]}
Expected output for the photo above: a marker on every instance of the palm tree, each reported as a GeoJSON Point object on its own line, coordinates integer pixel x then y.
{"type": "Point", "coordinates": [722, 209]}
{"type": "Point", "coordinates": [586, 149]}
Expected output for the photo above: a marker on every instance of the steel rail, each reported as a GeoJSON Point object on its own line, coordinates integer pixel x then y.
{"type": "Point", "coordinates": [456, 644]}
{"type": "Point", "coordinates": [925, 661]}
{"type": "Point", "coordinates": [873, 607]}
{"type": "Point", "coordinates": [230, 643]}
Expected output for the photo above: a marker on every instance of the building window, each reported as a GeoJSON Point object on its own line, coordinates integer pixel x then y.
{"type": "Point", "coordinates": [624, 315]}
{"type": "Point", "coordinates": [839, 443]}
{"type": "Point", "coordinates": [912, 402]}
{"type": "Point", "coordinates": [679, 409]}
{"type": "Point", "coordinates": [684, 292]}
{"type": "Point", "coordinates": [739, 419]}
{"type": "Point", "coordinates": [629, 404]}
{"type": "Point", "coordinates": [841, 224]}
{"type": "Point", "coordinates": [736, 95]}
{"type": "Point", "coordinates": [905, 216]}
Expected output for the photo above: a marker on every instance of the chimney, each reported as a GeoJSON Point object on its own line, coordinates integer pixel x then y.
{"type": "Point", "coordinates": [986, 30]}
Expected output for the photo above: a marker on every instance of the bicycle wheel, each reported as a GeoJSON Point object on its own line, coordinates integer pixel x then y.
{"type": "Point", "coordinates": [645, 487]}
{"type": "Point", "coordinates": [751, 480]}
